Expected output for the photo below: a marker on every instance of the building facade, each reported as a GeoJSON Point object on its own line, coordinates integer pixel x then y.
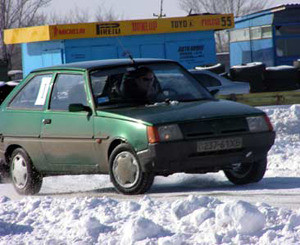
{"type": "Point", "coordinates": [188, 40]}
{"type": "Point", "coordinates": [271, 36]}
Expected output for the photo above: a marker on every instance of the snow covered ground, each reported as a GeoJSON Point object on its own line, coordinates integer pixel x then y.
{"type": "Point", "coordinates": [180, 209]}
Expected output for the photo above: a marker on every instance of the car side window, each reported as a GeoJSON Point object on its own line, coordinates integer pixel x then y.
{"type": "Point", "coordinates": [106, 86]}
{"type": "Point", "coordinates": [33, 95]}
{"type": "Point", "coordinates": [68, 89]}
{"type": "Point", "coordinates": [208, 80]}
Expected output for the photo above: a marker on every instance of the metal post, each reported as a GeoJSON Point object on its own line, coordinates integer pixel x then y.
{"type": "Point", "coordinates": [160, 15]}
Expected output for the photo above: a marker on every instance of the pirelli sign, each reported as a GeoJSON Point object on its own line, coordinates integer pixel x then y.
{"type": "Point", "coordinates": [119, 28]}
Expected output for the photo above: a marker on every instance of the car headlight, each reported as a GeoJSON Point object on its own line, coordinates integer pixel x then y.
{"type": "Point", "coordinates": [164, 133]}
{"type": "Point", "coordinates": [259, 124]}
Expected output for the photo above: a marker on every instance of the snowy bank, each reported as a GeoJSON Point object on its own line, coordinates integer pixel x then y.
{"type": "Point", "coordinates": [193, 220]}
{"type": "Point", "coordinates": [284, 155]}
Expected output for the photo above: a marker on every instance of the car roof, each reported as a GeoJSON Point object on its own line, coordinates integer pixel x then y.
{"type": "Point", "coordinates": [201, 71]}
{"type": "Point", "coordinates": [91, 65]}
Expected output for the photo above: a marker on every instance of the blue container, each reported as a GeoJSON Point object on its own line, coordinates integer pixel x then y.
{"type": "Point", "coordinates": [189, 48]}
{"type": "Point", "coordinates": [271, 36]}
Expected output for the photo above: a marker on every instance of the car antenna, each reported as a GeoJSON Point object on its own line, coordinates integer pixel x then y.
{"type": "Point", "coordinates": [126, 52]}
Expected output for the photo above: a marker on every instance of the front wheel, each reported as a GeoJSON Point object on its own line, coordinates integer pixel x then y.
{"type": "Point", "coordinates": [126, 173]}
{"type": "Point", "coordinates": [245, 173]}
{"type": "Point", "coordinates": [26, 180]}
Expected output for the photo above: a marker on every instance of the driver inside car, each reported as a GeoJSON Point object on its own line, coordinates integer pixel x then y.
{"type": "Point", "coordinates": [140, 84]}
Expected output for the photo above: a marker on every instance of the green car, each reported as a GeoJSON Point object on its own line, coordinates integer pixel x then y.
{"type": "Point", "coordinates": [77, 119]}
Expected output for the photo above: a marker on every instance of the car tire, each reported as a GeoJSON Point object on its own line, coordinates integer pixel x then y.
{"type": "Point", "coordinates": [245, 173]}
{"type": "Point", "coordinates": [252, 73]}
{"type": "Point", "coordinates": [126, 173]}
{"type": "Point", "coordinates": [243, 72]}
{"type": "Point", "coordinates": [26, 180]}
{"type": "Point", "coordinates": [283, 79]}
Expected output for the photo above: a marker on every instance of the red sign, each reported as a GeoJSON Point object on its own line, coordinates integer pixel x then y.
{"type": "Point", "coordinates": [210, 22]}
{"type": "Point", "coordinates": [68, 31]}
{"type": "Point", "coordinates": [144, 26]}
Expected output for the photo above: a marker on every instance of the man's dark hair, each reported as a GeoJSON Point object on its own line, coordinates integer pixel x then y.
{"type": "Point", "coordinates": [139, 72]}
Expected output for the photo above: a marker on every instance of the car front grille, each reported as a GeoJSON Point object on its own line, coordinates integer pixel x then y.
{"type": "Point", "coordinates": [215, 127]}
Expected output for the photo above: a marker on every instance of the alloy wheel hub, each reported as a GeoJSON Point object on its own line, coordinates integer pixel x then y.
{"type": "Point", "coordinates": [19, 171]}
{"type": "Point", "coordinates": [126, 169]}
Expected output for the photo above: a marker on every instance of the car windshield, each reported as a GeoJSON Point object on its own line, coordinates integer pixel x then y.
{"type": "Point", "coordinates": [145, 84]}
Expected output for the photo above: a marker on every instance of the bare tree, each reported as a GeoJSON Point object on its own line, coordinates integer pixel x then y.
{"type": "Point", "coordinates": [103, 14]}
{"type": "Point", "coordinates": [74, 15]}
{"type": "Point", "coordinates": [23, 13]}
{"type": "Point", "coordinates": [236, 7]}
{"type": "Point", "coordinates": [77, 15]}
{"type": "Point", "coordinates": [14, 14]}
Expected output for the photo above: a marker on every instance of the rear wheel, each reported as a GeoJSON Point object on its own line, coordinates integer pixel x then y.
{"type": "Point", "coordinates": [126, 172]}
{"type": "Point", "coordinates": [245, 173]}
{"type": "Point", "coordinates": [26, 180]}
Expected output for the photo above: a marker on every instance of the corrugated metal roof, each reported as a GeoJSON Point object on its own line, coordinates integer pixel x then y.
{"type": "Point", "coordinates": [272, 10]}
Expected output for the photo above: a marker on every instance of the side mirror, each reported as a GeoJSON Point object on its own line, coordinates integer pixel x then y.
{"type": "Point", "coordinates": [79, 108]}
{"type": "Point", "coordinates": [214, 92]}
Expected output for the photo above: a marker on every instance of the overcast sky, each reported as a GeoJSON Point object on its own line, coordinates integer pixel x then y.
{"type": "Point", "coordinates": [130, 9]}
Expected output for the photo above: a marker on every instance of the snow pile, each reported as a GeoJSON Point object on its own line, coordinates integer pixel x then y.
{"type": "Point", "coordinates": [278, 68]}
{"type": "Point", "coordinates": [140, 229]}
{"type": "Point", "coordinates": [206, 67]}
{"type": "Point", "coordinates": [248, 65]}
{"type": "Point", "coordinates": [284, 155]}
{"type": "Point", "coordinates": [242, 216]}
{"type": "Point", "coordinates": [193, 220]}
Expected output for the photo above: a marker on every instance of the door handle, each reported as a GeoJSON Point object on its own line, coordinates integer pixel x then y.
{"type": "Point", "coordinates": [46, 121]}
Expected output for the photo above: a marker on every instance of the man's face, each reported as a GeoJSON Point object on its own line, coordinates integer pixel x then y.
{"type": "Point", "coordinates": [146, 81]}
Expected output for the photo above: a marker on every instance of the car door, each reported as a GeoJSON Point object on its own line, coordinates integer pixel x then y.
{"type": "Point", "coordinates": [22, 116]}
{"type": "Point", "coordinates": [67, 137]}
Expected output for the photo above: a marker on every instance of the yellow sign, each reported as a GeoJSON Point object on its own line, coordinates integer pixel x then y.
{"type": "Point", "coordinates": [25, 35]}
{"type": "Point", "coordinates": [119, 28]}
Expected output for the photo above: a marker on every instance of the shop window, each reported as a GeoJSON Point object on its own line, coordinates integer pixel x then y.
{"type": "Point", "coordinates": [239, 35]}
{"type": "Point", "coordinates": [266, 31]}
{"type": "Point", "coordinates": [288, 47]}
{"type": "Point", "coordinates": [255, 32]}
{"type": "Point", "coordinates": [286, 30]}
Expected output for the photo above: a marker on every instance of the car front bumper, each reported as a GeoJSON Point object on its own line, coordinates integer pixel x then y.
{"type": "Point", "coordinates": [182, 156]}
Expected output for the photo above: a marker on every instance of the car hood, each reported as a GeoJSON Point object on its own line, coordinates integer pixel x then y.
{"type": "Point", "coordinates": [183, 111]}
{"type": "Point", "coordinates": [232, 88]}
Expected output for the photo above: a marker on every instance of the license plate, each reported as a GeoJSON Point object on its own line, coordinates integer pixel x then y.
{"type": "Point", "coordinates": [219, 145]}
